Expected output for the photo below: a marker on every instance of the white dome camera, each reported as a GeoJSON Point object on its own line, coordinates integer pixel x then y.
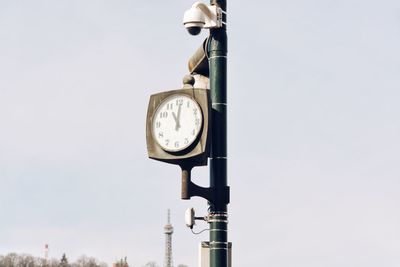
{"type": "Point", "coordinates": [194, 20]}
{"type": "Point", "coordinates": [201, 16]}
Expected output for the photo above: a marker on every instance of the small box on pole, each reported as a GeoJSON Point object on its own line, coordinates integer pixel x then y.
{"type": "Point", "coordinates": [204, 254]}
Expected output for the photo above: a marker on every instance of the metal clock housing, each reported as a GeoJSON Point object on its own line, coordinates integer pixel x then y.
{"type": "Point", "coordinates": [177, 126]}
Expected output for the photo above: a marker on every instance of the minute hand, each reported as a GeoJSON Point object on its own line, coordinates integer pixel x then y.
{"type": "Point", "coordinates": [178, 118]}
{"type": "Point", "coordinates": [175, 119]}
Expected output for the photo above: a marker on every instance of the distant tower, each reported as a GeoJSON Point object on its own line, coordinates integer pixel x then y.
{"type": "Point", "coordinates": [46, 252]}
{"type": "Point", "coordinates": [168, 230]}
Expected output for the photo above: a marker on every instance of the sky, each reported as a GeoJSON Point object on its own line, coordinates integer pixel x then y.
{"type": "Point", "coordinates": [313, 121]}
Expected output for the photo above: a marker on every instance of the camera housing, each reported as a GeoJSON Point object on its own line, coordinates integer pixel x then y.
{"type": "Point", "coordinates": [189, 218]}
{"type": "Point", "coordinates": [194, 20]}
{"type": "Point", "coordinates": [201, 16]}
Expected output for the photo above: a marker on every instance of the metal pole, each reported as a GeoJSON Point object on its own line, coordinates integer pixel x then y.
{"type": "Point", "coordinates": [217, 53]}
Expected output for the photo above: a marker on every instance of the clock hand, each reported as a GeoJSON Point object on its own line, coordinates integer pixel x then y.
{"type": "Point", "coordinates": [176, 121]}
{"type": "Point", "coordinates": [178, 118]}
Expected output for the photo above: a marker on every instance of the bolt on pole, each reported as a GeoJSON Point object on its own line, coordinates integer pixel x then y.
{"type": "Point", "coordinates": [217, 53]}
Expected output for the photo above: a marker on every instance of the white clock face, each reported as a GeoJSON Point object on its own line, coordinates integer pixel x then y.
{"type": "Point", "coordinates": [177, 123]}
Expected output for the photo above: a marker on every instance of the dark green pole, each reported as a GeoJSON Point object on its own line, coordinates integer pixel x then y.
{"type": "Point", "coordinates": [217, 54]}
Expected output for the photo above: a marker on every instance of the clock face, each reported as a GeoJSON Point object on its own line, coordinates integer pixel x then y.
{"type": "Point", "coordinates": [177, 122]}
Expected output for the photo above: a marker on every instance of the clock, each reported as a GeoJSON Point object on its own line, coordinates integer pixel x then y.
{"type": "Point", "coordinates": [177, 126]}
{"type": "Point", "coordinates": [177, 123]}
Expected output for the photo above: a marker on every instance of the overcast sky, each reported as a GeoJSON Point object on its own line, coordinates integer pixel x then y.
{"type": "Point", "coordinates": [314, 127]}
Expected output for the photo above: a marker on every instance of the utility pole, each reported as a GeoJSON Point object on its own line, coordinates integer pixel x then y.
{"type": "Point", "coordinates": [218, 217]}
{"type": "Point", "coordinates": [202, 134]}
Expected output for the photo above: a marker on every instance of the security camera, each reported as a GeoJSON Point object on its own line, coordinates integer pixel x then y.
{"type": "Point", "coordinates": [201, 16]}
{"type": "Point", "coordinates": [194, 20]}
